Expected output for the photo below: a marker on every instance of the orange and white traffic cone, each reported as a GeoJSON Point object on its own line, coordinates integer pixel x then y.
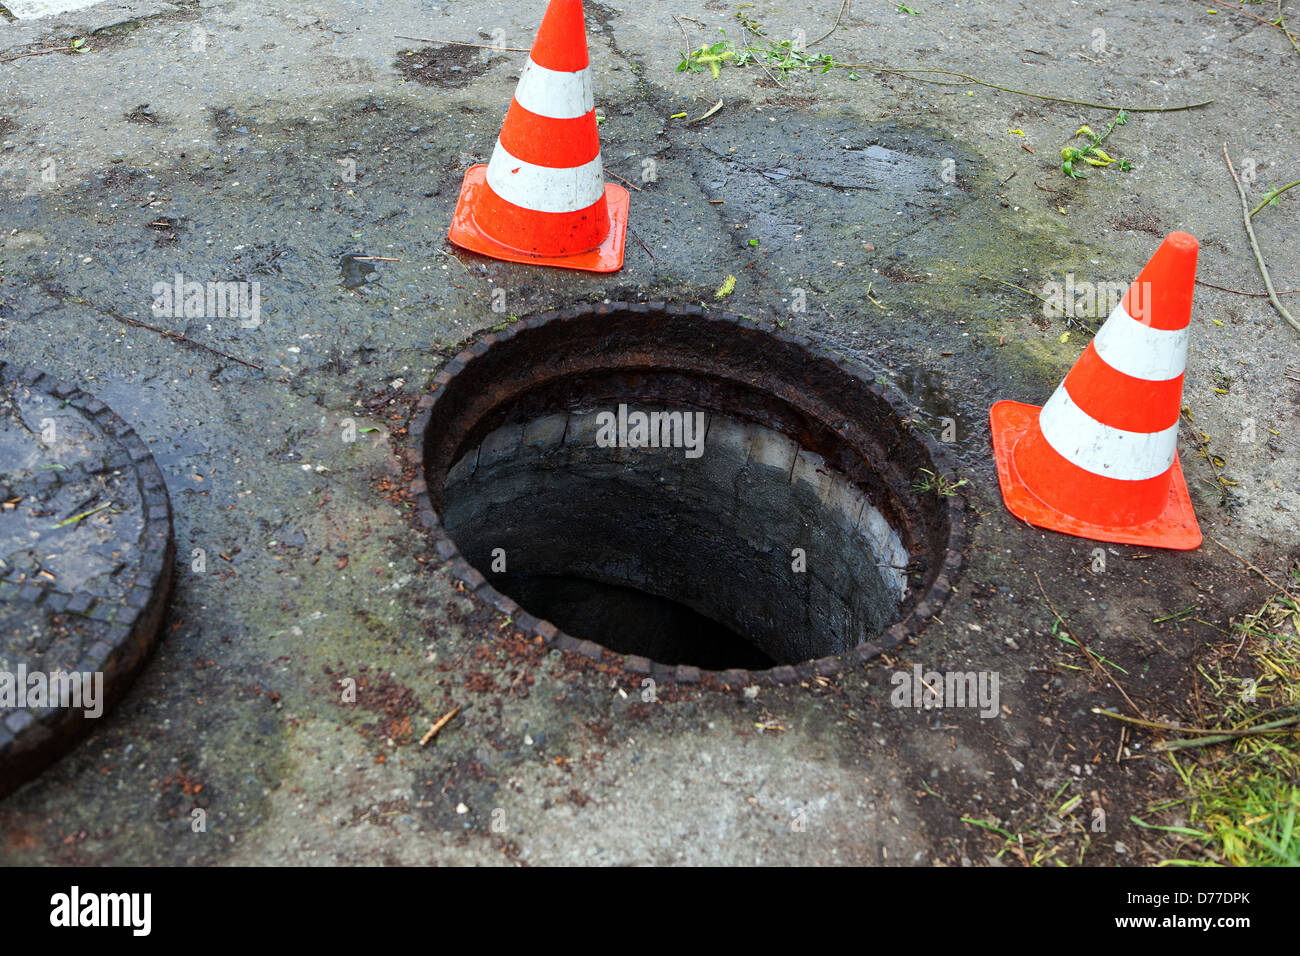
{"type": "Point", "coordinates": [1100, 459]}
{"type": "Point", "coordinates": [542, 198]}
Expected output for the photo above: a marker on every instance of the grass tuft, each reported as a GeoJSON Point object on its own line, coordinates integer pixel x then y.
{"type": "Point", "coordinates": [1244, 795]}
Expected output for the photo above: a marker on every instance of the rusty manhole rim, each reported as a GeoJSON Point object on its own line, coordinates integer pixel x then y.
{"type": "Point", "coordinates": [30, 741]}
{"type": "Point", "coordinates": [927, 604]}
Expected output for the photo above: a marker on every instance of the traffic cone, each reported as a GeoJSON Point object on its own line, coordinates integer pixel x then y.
{"type": "Point", "coordinates": [542, 199]}
{"type": "Point", "coordinates": [1100, 459]}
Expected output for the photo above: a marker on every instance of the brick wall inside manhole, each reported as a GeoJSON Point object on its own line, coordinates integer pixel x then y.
{"type": "Point", "coordinates": [779, 530]}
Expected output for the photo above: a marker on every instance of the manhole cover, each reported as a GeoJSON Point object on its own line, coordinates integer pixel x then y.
{"type": "Point", "coordinates": [85, 565]}
{"type": "Point", "coordinates": [687, 490]}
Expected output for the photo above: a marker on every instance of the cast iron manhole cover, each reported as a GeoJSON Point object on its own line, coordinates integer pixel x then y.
{"type": "Point", "coordinates": [687, 490]}
{"type": "Point", "coordinates": [85, 565]}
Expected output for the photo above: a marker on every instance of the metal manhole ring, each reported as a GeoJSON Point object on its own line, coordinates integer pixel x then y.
{"type": "Point", "coordinates": [457, 397]}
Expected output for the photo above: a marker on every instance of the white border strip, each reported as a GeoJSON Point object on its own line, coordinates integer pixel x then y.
{"type": "Point", "coordinates": [1136, 349]}
{"type": "Point", "coordinates": [544, 188]}
{"type": "Point", "coordinates": [555, 94]}
{"type": "Point", "coordinates": [1101, 449]}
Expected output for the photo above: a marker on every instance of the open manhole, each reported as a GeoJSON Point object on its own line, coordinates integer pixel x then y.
{"type": "Point", "coordinates": [85, 565]}
{"type": "Point", "coordinates": [686, 490]}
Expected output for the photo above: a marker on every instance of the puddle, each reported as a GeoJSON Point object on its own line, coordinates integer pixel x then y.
{"type": "Point", "coordinates": [862, 189]}
{"type": "Point", "coordinates": [356, 272]}
{"type": "Point", "coordinates": [927, 390]}
{"type": "Point", "coordinates": [937, 411]}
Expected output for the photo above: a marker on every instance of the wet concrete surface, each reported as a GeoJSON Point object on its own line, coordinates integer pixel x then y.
{"type": "Point", "coordinates": [282, 444]}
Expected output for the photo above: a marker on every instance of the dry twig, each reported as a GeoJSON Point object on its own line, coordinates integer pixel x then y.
{"type": "Point", "coordinates": [443, 721]}
{"type": "Point", "coordinates": [1254, 247]}
{"type": "Point", "coordinates": [481, 46]}
{"type": "Point", "coordinates": [626, 181]}
{"type": "Point", "coordinates": [1279, 23]}
{"type": "Point", "coordinates": [643, 245]}
{"type": "Point", "coordinates": [1261, 295]}
{"type": "Point", "coordinates": [844, 7]}
{"type": "Point", "coordinates": [1210, 735]}
{"type": "Point", "coordinates": [1277, 587]}
{"type": "Point", "coordinates": [966, 77]}
{"type": "Point", "coordinates": [53, 49]}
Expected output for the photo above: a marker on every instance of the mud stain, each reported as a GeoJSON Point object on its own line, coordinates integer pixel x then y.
{"type": "Point", "coordinates": [448, 67]}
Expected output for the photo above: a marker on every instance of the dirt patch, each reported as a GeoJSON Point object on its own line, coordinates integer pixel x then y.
{"type": "Point", "coordinates": [1154, 638]}
{"type": "Point", "coordinates": [392, 702]}
{"type": "Point", "coordinates": [227, 123]}
{"type": "Point", "coordinates": [165, 227]}
{"type": "Point", "coordinates": [790, 100]}
{"type": "Point", "coordinates": [119, 177]}
{"type": "Point", "coordinates": [1137, 219]}
{"type": "Point", "coordinates": [179, 796]}
{"type": "Point", "coordinates": [899, 272]}
{"type": "Point", "coordinates": [144, 115]}
{"type": "Point", "coordinates": [448, 67]}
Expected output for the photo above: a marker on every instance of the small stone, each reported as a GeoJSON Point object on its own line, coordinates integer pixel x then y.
{"type": "Point", "coordinates": [461, 808]}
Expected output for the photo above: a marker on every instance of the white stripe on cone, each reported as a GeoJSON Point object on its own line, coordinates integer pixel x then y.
{"type": "Point", "coordinates": [1101, 449]}
{"type": "Point", "coordinates": [554, 93]}
{"type": "Point", "coordinates": [1136, 349]}
{"type": "Point", "coordinates": [544, 188]}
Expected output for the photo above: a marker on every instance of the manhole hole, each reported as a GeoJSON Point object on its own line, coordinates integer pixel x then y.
{"type": "Point", "coordinates": [85, 565]}
{"type": "Point", "coordinates": [775, 531]}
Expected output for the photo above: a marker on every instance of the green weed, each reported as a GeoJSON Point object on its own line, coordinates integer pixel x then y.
{"type": "Point", "coordinates": [1093, 154]}
{"type": "Point", "coordinates": [942, 486]}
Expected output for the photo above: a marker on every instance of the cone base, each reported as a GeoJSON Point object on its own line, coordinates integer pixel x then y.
{"type": "Point", "coordinates": [607, 257]}
{"type": "Point", "coordinates": [1176, 527]}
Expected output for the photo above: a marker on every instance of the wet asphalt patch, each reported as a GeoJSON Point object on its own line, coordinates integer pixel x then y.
{"type": "Point", "coordinates": [447, 67]}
